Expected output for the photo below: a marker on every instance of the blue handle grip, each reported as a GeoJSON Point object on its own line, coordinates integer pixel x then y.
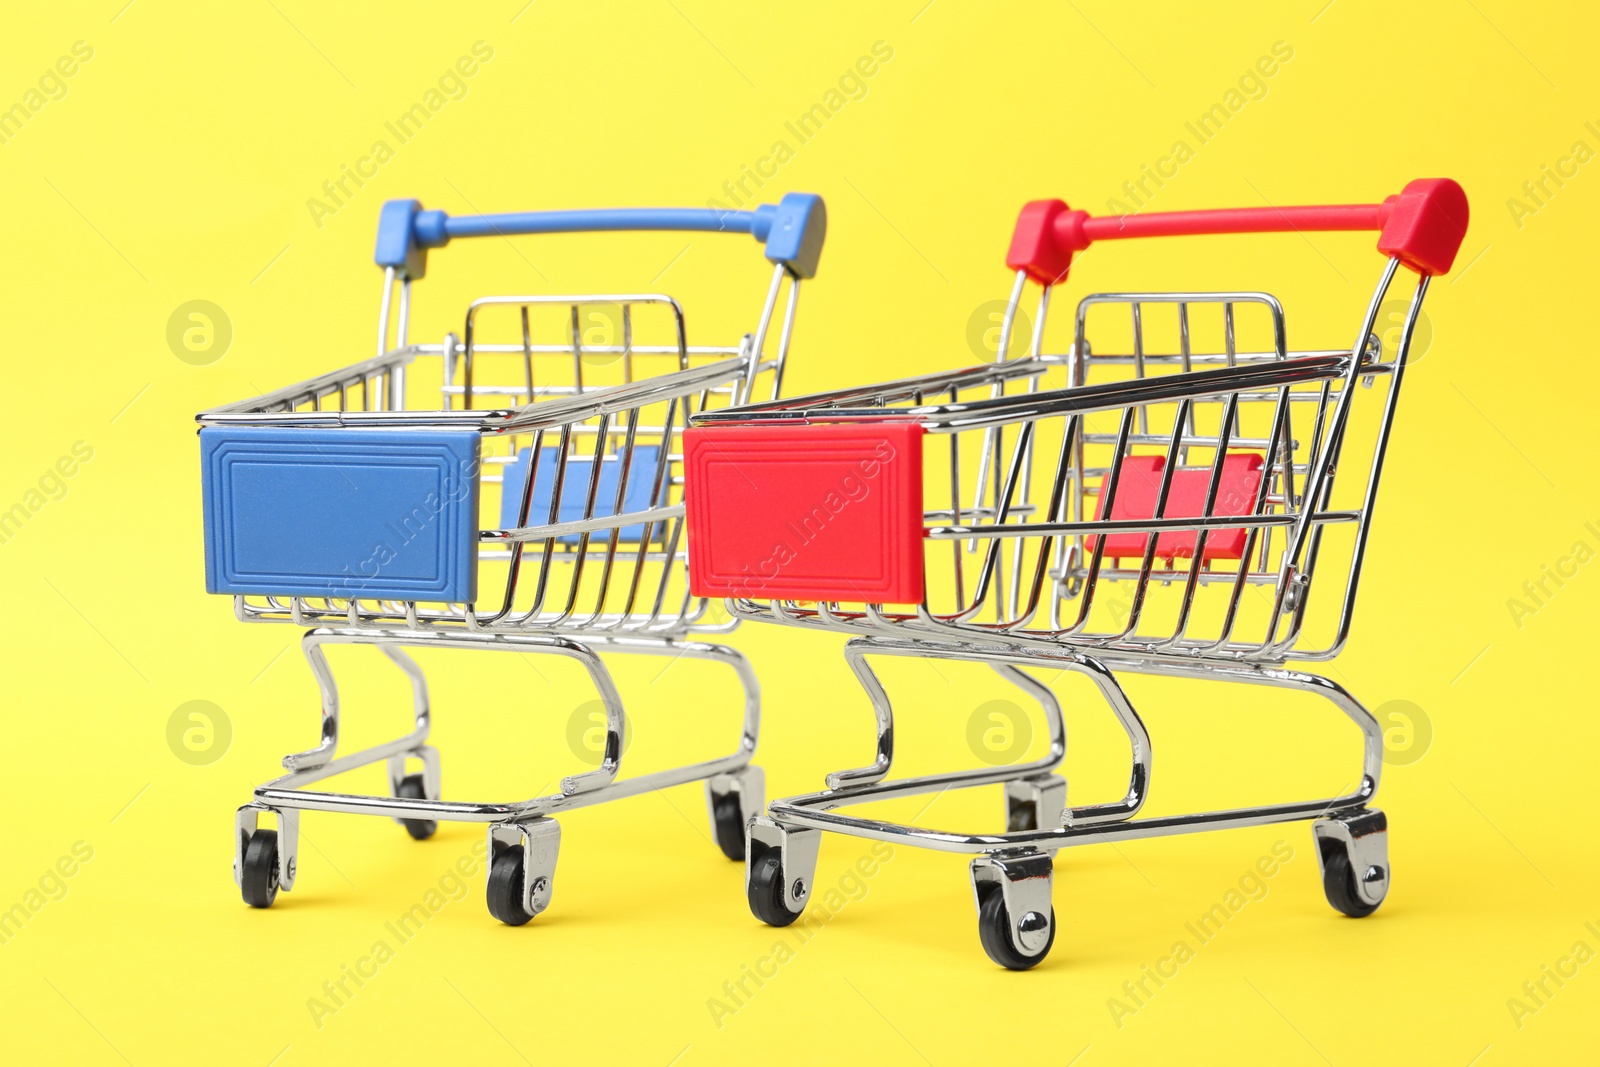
{"type": "Point", "coordinates": [792, 229]}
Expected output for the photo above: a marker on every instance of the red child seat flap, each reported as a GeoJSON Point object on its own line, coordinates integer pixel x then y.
{"type": "Point", "coordinates": [1140, 485]}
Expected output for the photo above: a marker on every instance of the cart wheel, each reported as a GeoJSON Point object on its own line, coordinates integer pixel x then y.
{"type": "Point", "coordinates": [411, 789]}
{"type": "Point", "coordinates": [994, 930]}
{"type": "Point", "coordinates": [259, 881]}
{"type": "Point", "coordinates": [728, 814]}
{"type": "Point", "coordinates": [766, 890]}
{"type": "Point", "coordinates": [1339, 883]}
{"type": "Point", "coordinates": [505, 888]}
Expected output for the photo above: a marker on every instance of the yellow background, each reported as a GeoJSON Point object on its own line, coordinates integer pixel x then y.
{"type": "Point", "coordinates": [178, 166]}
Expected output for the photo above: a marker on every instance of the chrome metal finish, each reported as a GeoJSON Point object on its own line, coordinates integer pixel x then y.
{"type": "Point", "coordinates": [798, 849]}
{"type": "Point", "coordinates": [596, 380]}
{"type": "Point", "coordinates": [1109, 821]}
{"type": "Point", "coordinates": [1035, 567]}
{"type": "Point", "coordinates": [748, 785]}
{"type": "Point", "coordinates": [247, 821]}
{"type": "Point", "coordinates": [540, 842]}
{"type": "Point", "coordinates": [1363, 835]}
{"type": "Point", "coordinates": [578, 790]}
{"type": "Point", "coordinates": [1017, 572]}
{"type": "Point", "coordinates": [1035, 802]}
{"type": "Point", "coordinates": [1024, 880]}
{"type": "Point", "coordinates": [429, 756]}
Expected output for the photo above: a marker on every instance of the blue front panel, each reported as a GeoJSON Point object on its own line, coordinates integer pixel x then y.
{"type": "Point", "coordinates": [575, 491]}
{"type": "Point", "coordinates": [376, 514]}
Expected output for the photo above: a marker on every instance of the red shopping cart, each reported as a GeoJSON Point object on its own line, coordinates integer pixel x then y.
{"type": "Point", "coordinates": [1164, 511]}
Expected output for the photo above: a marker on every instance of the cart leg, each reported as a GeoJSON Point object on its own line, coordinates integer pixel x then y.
{"type": "Point", "coordinates": [1353, 852]}
{"type": "Point", "coordinates": [264, 861]}
{"type": "Point", "coordinates": [522, 868]}
{"type": "Point", "coordinates": [733, 799]}
{"type": "Point", "coordinates": [1016, 921]}
{"type": "Point", "coordinates": [1037, 802]}
{"type": "Point", "coordinates": [423, 784]}
{"type": "Point", "coordinates": [416, 785]}
{"type": "Point", "coordinates": [780, 869]}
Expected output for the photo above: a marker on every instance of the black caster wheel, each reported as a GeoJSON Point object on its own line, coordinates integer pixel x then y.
{"type": "Point", "coordinates": [728, 814]}
{"type": "Point", "coordinates": [767, 882]}
{"type": "Point", "coordinates": [411, 789]}
{"type": "Point", "coordinates": [259, 884]}
{"type": "Point", "coordinates": [505, 888]}
{"type": "Point", "coordinates": [994, 930]}
{"type": "Point", "coordinates": [1339, 883]}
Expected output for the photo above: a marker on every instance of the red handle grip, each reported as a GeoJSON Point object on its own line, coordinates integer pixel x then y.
{"type": "Point", "coordinates": [1422, 227]}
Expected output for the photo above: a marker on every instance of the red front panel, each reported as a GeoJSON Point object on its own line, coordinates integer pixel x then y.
{"type": "Point", "coordinates": [805, 512]}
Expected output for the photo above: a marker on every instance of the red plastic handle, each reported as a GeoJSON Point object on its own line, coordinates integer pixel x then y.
{"type": "Point", "coordinates": [1423, 227]}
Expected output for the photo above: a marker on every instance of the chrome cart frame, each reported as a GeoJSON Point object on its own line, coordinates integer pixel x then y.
{"type": "Point", "coordinates": [1190, 503]}
{"type": "Point", "coordinates": [589, 542]}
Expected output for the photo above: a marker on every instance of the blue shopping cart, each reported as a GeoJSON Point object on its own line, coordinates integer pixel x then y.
{"type": "Point", "coordinates": [353, 504]}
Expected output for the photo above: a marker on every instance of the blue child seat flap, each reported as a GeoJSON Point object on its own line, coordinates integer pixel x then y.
{"type": "Point", "coordinates": [375, 514]}
{"type": "Point", "coordinates": [575, 491]}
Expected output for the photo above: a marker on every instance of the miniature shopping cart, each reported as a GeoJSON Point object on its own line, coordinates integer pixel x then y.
{"type": "Point", "coordinates": [547, 472]}
{"type": "Point", "coordinates": [1157, 500]}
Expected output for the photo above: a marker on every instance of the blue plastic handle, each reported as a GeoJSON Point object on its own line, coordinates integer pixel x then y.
{"type": "Point", "coordinates": [792, 229]}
